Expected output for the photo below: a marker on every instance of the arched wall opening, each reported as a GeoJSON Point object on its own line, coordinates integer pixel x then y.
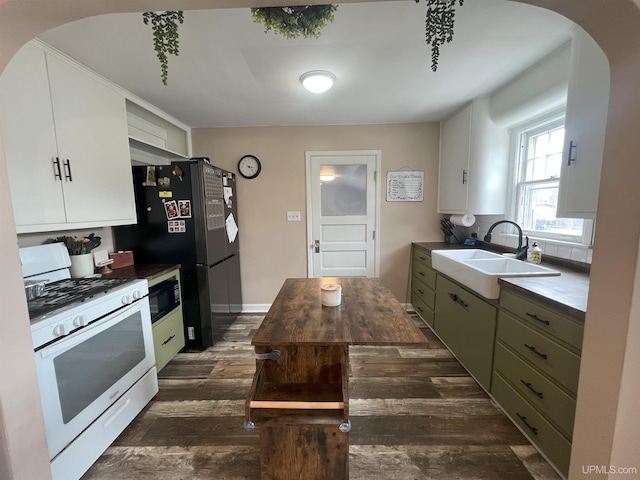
{"type": "Point", "coordinates": [607, 427]}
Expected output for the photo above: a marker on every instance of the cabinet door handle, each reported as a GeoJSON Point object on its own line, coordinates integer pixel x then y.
{"type": "Point", "coordinates": [523, 419]}
{"type": "Point", "coordinates": [67, 167]}
{"type": "Point", "coordinates": [571, 157]}
{"type": "Point", "coordinates": [168, 339]}
{"type": "Point", "coordinates": [458, 300]}
{"type": "Point", "coordinates": [533, 349]}
{"type": "Point", "coordinates": [540, 395]}
{"type": "Point", "coordinates": [537, 318]}
{"type": "Point", "coordinates": [57, 174]}
{"type": "Point", "coordinates": [464, 177]}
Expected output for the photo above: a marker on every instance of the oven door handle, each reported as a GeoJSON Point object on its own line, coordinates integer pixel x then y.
{"type": "Point", "coordinates": [74, 339]}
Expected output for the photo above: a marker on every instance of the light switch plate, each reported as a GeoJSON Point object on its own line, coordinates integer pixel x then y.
{"type": "Point", "coordinates": [293, 216]}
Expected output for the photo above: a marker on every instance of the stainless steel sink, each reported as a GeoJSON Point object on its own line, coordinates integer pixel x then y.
{"type": "Point", "coordinates": [479, 270]}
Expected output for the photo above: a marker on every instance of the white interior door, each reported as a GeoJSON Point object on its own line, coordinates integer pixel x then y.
{"type": "Point", "coordinates": [342, 213]}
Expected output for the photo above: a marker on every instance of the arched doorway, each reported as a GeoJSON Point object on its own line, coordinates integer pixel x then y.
{"type": "Point", "coordinates": [613, 321]}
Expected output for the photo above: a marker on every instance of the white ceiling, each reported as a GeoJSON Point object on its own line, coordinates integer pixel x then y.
{"type": "Point", "coordinates": [230, 73]}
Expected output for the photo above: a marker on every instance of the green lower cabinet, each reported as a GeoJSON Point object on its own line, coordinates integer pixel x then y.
{"type": "Point", "coordinates": [422, 309]}
{"type": "Point", "coordinates": [552, 401]}
{"type": "Point", "coordinates": [467, 325]}
{"type": "Point", "coordinates": [168, 337]}
{"type": "Point", "coordinates": [550, 441]}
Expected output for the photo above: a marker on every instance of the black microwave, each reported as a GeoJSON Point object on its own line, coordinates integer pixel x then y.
{"type": "Point", "coordinates": [164, 297]}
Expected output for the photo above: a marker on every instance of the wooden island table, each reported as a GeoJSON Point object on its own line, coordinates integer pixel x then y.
{"type": "Point", "coordinates": [299, 399]}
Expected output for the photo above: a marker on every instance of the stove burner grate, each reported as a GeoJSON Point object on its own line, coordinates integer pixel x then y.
{"type": "Point", "coordinates": [66, 292]}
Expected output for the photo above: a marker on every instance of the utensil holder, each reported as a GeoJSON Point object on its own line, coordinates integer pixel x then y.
{"type": "Point", "coordinates": [81, 265]}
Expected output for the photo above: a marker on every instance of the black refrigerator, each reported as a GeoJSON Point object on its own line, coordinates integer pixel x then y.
{"type": "Point", "coordinates": [188, 214]}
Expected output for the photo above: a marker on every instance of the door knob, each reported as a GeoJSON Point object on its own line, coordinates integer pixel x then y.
{"type": "Point", "coordinates": [316, 246]}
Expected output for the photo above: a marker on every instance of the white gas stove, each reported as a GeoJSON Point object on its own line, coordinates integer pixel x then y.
{"type": "Point", "coordinates": [94, 355]}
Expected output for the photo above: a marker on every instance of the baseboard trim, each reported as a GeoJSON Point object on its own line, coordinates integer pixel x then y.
{"type": "Point", "coordinates": [256, 307]}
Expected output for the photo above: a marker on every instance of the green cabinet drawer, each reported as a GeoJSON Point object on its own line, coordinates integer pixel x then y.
{"type": "Point", "coordinates": [422, 257]}
{"type": "Point", "coordinates": [422, 309]}
{"type": "Point", "coordinates": [466, 324]}
{"type": "Point", "coordinates": [422, 270]}
{"type": "Point", "coordinates": [554, 445]}
{"type": "Point", "coordinates": [543, 318]}
{"type": "Point", "coordinates": [423, 292]}
{"type": "Point", "coordinates": [168, 337]}
{"type": "Point", "coordinates": [553, 402]}
{"type": "Point", "coordinates": [542, 352]}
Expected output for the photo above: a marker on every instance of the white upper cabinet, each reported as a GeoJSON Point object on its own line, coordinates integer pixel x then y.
{"type": "Point", "coordinates": [35, 170]}
{"type": "Point", "coordinates": [66, 145]}
{"type": "Point", "coordinates": [474, 155]}
{"type": "Point", "coordinates": [586, 118]}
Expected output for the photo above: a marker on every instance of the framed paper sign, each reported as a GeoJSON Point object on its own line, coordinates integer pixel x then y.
{"type": "Point", "coordinates": [405, 186]}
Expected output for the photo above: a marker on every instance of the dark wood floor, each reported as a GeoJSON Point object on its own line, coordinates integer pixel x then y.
{"type": "Point", "coordinates": [415, 414]}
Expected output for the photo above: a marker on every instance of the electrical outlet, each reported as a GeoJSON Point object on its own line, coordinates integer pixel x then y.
{"type": "Point", "coordinates": [191, 333]}
{"type": "Point", "coordinates": [293, 216]}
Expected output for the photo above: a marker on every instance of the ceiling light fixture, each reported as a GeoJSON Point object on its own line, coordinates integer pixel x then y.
{"type": "Point", "coordinates": [318, 81]}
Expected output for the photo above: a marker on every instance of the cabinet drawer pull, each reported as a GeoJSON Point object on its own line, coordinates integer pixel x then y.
{"type": "Point", "coordinates": [523, 419]}
{"type": "Point", "coordinates": [419, 309]}
{"type": "Point", "coordinates": [464, 177]}
{"type": "Point", "coordinates": [421, 274]}
{"type": "Point", "coordinates": [533, 349]}
{"type": "Point", "coordinates": [540, 395]}
{"type": "Point", "coordinates": [67, 166]}
{"type": "Point", "coordinates": [422, 258]}
{"type": "Point", "coordinates": [56, 171]}
{"type": "Point", "coordinates": [420, 291]}
{"type": "Point", "coordinates": [168, 339]}
{"type": "Point", "coordinates": [537, 318]}
{"type": "Point", "coordinates": [458, 300]}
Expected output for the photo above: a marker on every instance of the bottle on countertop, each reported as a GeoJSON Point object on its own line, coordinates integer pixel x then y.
{"type": "Point", "coordinates": [534, 255]}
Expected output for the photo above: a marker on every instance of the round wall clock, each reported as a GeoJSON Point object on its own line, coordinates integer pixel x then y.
{"type": "Point", "coordinates": [249, 166]}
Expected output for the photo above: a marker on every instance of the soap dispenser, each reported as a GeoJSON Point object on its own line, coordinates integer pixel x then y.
{"type": "Point", "coordinates": [534, 255]}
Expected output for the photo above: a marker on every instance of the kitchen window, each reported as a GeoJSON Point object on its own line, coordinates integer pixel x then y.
{"type": "Point", "coordinates": [538, 153]}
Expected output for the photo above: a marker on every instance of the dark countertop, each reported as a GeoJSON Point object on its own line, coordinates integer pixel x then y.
{"type": "Point", "coordinates": [148, 272]}
{"type": "Point", "coordinates": [567, 292]}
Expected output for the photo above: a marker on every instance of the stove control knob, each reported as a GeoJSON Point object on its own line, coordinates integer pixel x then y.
{"type": "Point", "coordinates": [80, 321]}
{"type": "Point", "coordinates": [60, 330]}
{"type": "Point", "coordinates": [126, 300]}
{"type": "Point", "coordinates": [137, 294]}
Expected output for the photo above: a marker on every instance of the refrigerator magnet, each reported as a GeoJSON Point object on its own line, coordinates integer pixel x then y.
{"type": "Point", "coordinates": [185, 208]}
{"type": "Point", "coordinates": [150, 181]}
{"type": "Point", "coordinates": [164, 181]}
{"type": "Point", "coordinates": [171, 209]}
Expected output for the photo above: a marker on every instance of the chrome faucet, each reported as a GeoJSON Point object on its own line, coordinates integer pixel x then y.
{"type": "Point", "coordinates": [521, 252]}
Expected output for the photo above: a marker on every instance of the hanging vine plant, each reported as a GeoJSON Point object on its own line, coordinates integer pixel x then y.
{"type": "Point", "coordinates": [292, 22]}
{"type": "Point", "coordinates": [165, 36]}
{"type": "Point", "coordinates": [439, 25]}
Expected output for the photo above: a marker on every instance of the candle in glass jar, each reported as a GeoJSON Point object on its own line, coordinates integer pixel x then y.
{"type": "Point", "coordinates": [331, 294]}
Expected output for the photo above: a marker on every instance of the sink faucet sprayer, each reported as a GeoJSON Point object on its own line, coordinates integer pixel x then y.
{"type": "Point", "coordinates": [521, 252]}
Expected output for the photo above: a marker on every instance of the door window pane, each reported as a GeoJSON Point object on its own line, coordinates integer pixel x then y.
{"type": "Point", "coordinates": [343, 190]}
